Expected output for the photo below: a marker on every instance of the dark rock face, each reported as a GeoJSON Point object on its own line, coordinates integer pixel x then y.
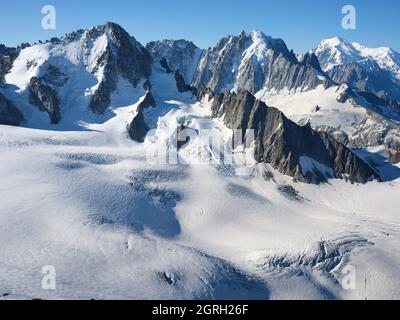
{"type": "Point", "coordinates": [181, 85]}
{"type": "Point", "coordinates": [307, 155]}
{"type": "Point", "coordinates": [164, 64]}
{"type": "Point", "coordinates": [310, 59]}
{"type": "Point", "coordinates": [55, 77]}
{"type": "Point", "coordinates": [138, 128]}
{"type": "Point", "coordinates": [133, 60]}
{"type": "Point", "coordinates": [148, 101]}
{"type": "Point", "coordinates": [394, 154]}
{"type": "Point", "coordinates": [9, 114]}
{"type": "Point", "coordinates": [101, 99]}
{"type": "Point", "coordinates": [24, 45]}
{"type": "Point", "coordinates": [45, 97]}
{"type": "Point", "coordinates": [7, 58]}
{"type": "Point", "coordinates": [379, 101]}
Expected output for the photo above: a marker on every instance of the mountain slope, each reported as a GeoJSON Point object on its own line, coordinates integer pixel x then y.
{"type": "Point", "coordinates": [80, 69]}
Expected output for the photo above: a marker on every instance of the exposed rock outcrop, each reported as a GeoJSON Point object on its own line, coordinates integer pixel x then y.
{"type": "Point", "coordinates": [7, 57]}
{"type": "Point", "coordinates": [55, 77]}
{"type": "Point", "coordinates": [45, 97]}
{"type": "Point", "coordinates": [101, 99]}
{"type": "Point", "coordinates": [310, 59]}
{"type": "Point", "coordinates": [339, 135]}
{"type": "Point", "coordinates": [377, 102]}
{"type": "Point", "coordinates": [9, 114]}
{"type": "Point", "coordinates": [394, 154]}
{"type": "Point", "coordinates": [366, 78]}
{"type": "Point", "coordinates": [148, 101]}
{"type": "Point", "coordinates": [138, 128]}
{"type": "Point", "coordinates": [181, 84]}
{"type": "Point", "coordinates": [297, 151]}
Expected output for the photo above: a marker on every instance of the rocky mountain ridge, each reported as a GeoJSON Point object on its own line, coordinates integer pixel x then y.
{"type": "Point", "coordinates": [298, 151]}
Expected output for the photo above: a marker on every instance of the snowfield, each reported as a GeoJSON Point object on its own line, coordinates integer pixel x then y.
{"type": "Point", "coordinates": [302, 106]}
{"type": "Point", "coordinates": [86, 200]}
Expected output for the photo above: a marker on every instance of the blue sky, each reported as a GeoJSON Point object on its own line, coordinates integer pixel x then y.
{"type": "Point", "coordinates": [301, 23]}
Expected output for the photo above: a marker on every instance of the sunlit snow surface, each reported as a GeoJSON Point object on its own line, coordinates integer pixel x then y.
{"type": "Point", "coordinates": [115, 226]}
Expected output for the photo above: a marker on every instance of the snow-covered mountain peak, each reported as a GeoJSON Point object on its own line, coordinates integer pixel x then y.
{"type": "Point", "coordinates": [375, 70]}
{"type": "Point", "coordinates": [335, 42]}
{"type": "Point", "coordinates": [255, 38]}
{"type": "Point", "coordinates": [258, 36]}
{"type": "Point", "coordinates": [111, 29]}
{"type": "Point", "coordinates": [81, 68]}
{"type": "Point", "coordinates": [336, 51]}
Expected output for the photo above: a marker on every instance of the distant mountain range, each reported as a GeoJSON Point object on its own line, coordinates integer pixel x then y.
{"type": "Point", "coordinates": [82, 70]}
